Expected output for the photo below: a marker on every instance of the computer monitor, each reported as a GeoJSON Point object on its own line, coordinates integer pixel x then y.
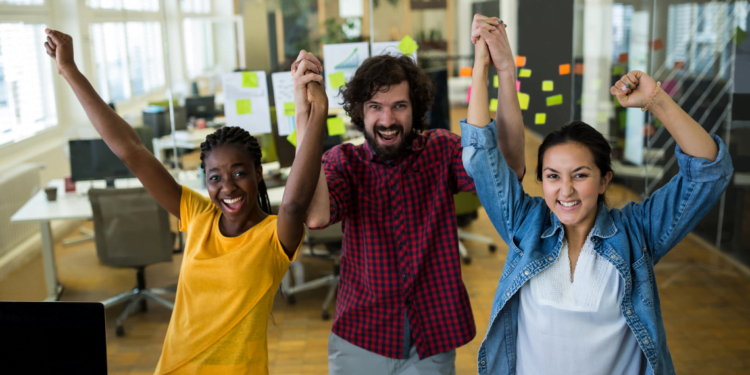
{"type": "Point", "coordinates": [91, 159]}
{"type": "Point", "coordinates": [53, 338]}
{"type": "Point", "coordinates": [201, 107]}
{"type": "Point", "coordinates": [285, 151]}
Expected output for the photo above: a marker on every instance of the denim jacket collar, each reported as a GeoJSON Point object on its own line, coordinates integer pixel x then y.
{"type": "Point", "coordinates": [604, 227]}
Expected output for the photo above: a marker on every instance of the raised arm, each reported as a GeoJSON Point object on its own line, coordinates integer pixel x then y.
{"type": "Point", "coordinates": [310, 102]}
{"type": "Point", "coordinates": [510, 133]}
{"type": "Point", "coordinates": [117, 133]}
{"type": "Point", "coordinates": [319, 211]}
{"type": "Point", "coordinates": [640, 89]}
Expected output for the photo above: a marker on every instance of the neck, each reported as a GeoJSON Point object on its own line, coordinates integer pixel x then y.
{"type": "Point", "coordinates": [576, 233]}
{"type": "Point", "coordinates": [230, 229]}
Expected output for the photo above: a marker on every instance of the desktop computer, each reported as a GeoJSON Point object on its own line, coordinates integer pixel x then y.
{"type": "Point", "coordinates": [201, 107]}
{"type": "Point", "coordinates": [92, 159]}
{"type": "Point", "coordinates": [157, 118]}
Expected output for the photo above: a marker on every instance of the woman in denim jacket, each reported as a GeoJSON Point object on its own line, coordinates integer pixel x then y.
{"type": "Point", "coordinates": [577, 294]}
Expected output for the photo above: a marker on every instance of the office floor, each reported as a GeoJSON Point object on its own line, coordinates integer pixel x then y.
{"type": "Point", "coordinates": [705, 303]}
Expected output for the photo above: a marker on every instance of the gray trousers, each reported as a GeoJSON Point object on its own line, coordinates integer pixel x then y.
{"type": "Point", "coordinates": [345, 358]}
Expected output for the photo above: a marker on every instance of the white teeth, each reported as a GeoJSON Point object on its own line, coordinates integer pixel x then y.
{"type": "Point", "coordinates": [230, 201]}
{"type": "Point", "coordinates": [390, 132]}
{"type": "Point", "coordinates": [569, 204]}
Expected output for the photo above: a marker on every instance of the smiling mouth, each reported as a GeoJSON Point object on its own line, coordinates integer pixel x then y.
{"type": "Point", "coordinates": [569, 204]}
{"type": "Point", "coordinates": [233, 205]}
{"type": "Point", "coordinates": [388, 136]}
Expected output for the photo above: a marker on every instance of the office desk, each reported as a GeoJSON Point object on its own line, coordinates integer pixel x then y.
{"type": "Point", "coordinates": [76, 206]}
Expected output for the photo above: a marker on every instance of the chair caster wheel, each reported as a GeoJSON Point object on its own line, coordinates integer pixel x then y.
{"type": "Point", "coordinates": [120, 331]}
{"type": "Point", "coordinates": [466, 260]}
{"type": "Point", "coordinates": [291, 300]}
{"type": "Point", "coordinates": [326, 315]}
{"type": "Point", "coordinates": [493, 248]}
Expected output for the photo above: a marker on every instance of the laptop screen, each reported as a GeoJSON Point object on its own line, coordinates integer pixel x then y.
{"type": "Point", "coordinates": [52, 338]}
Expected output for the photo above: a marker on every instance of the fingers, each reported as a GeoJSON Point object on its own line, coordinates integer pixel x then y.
{"type": "Point", "coordinates": [627, 84]}
{"type": "Point", "coordinates": [634, 77]}
{"type": "Point", "coordinates": [311, 77]}
{"type": "Point", "coordinates": [302, 69]}
{"type": "Point", "coordinates": [50, 50]}
{"type": "Point", "coordinates": [55, 36]}
{"type": "Point", "coordinates": [619, 89]}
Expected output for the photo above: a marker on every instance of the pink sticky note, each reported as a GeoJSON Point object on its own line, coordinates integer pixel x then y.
{"type": "Point", "coordinates": [468, 95]}
{"type": "Point", "coordinates": [518, 85]}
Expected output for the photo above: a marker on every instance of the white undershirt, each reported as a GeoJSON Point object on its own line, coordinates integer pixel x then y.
{"type": "Point", "coordinates": [576, 327]}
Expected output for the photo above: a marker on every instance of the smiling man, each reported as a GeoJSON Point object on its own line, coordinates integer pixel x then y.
{"type": "Point", "coordinates": [402, 307]}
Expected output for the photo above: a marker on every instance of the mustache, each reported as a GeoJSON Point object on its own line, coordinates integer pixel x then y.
{"type": "Point", "coordinates": [392, 127]}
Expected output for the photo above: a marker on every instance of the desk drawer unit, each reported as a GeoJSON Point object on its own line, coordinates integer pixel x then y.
{"type": "Point", "coordinates": [17, 186]}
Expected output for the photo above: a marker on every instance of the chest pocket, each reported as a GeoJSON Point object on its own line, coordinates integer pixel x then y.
{"type": "Point", "coordinates": [643, 272]}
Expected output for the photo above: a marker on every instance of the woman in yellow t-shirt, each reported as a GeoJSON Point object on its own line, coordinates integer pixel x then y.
{"type": "Point", "coordinates": [236, 252]}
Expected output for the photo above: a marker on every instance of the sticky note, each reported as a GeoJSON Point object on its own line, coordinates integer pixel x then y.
{"type": "Point", "coordinates": [548, 85]}
{"type": "Point", "coordinates": [408, 46]}
{"type": "Point", "coordinates": [523, 100]}
{"type": "Point", "coordinates": [493, 105]}
{"type": "Point", "coordinates": [525, 73]}
{"type": "Point", "coordinates": [518, 85]}
{"type": "Point", "coordinates": [520, 61]}
{"type": "Point", "coordinates": [468, 95]}
{"type": "Point", "coordinates": [292, 138]}
{"type": "Point", "coordinates": [679, 65]}
{"type": "Point", "coordinates": [249, 79]}
{"type": "Point", "coordinates": [244, 106]}
{"type": "Point", "coordinates": [579, 68]}
{"type": "Point", "coordinates": [739, 36]}
{"type": "Point", "coordinates": [564, 69]}
{"type": "Point", "coordinates": [337, 80]}
{"type": "Point", "coordinates": [554, 100]}
{"type": "Point", "coordinates": [540, 119]}
{"type": "Point", "coordinates": [657, 44]}
{"type": "Point", "coordinates": [465, 72]}
{"type": "Point", "coordinates": [623, 58]}
{"type": "Point", "coordinates": [494, 82]}
{"type": "Point", "coordinates": [289, 109]}
{"type": "Point", "coordinates": [601, 117]}
{"type": "Point", "coordinates": [336, 126]}
{"type": "Point", "coordinates": [617, 70]}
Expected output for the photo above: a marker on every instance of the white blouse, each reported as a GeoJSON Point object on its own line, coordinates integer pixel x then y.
{"type": "Point", "coordinates": [576, 327]}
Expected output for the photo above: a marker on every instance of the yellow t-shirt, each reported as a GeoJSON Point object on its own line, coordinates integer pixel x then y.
{"type": "Point", "coordinates": [224, 295]}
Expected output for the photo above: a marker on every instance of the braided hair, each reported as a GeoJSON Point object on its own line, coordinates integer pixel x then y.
{"type": "Point", "coordinates": [237, 135]}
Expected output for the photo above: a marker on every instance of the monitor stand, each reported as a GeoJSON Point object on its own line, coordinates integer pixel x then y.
{"type": "Point", "coordinates": [110, 183]}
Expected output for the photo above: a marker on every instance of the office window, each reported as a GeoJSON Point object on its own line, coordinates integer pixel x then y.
{"type": "Point", "coordinates": [129, 58]}
{"type": "Point", "coordinates": [27, 103]}
{"type": "Point", "coordinates": [136, 5]}
{"type": "Point", "coordinates": [195, 6]}
{"type": "Point", "coordinates": [199, 46]}
{"type": "Point", "coordinates": [22, 2]}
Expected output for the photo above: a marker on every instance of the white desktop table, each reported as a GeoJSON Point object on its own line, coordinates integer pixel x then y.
{"type": "Point", "coordinates": [75, 206]}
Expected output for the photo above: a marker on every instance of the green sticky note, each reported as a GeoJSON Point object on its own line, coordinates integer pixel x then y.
{"type": "Point", "coordinates": [244, 106]}
{"type": "Point", "coordinates": [408, 46]}
{"type": "Point", "coordinates": [523, 100]}
{"type": "Point", "coordinates": [337, 80]}
{"type": "Point", "coordinates": [554, 100]}
{"type": "Point", "coordinates": [336, 126]}
{"type": "Point", "coordinates": [493, 105]}
{"type": "Point", "coordinates": [288, 109]}
{"type": "Point", "coordinates": [249, 79]}
{"type": "Point", "coordinates": [617, 70]}
{"type": "Point", "coordinates": [292, 138]}
{"type": "Point", "coordinates": [524, 73]}
{"type": "Point", "coordinates": [601, 117]}
{"type": "Point", "coordinates": [548, 85]}
{"type": "Point", "coordinates": [739, 36]}
{"type": "Point", "coordinates": [494, 82]}
{"type": "Point", "coordinates": [540, 118]}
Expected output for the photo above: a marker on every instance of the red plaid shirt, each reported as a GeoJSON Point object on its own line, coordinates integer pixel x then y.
{"type": "Point", "coordinates": [400, 247]}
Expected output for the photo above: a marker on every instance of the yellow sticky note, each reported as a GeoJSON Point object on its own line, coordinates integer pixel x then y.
{"type": "Point", "coordinates": [493, 105]}
{"type": "Point", "coordinates": [617, 70]}
{"type": "Point", "coordinates": [292, 138]}
{"type": "Point", "coordinates": [408, 46]}
{"type": "Point", "coordinates": [494, 82]}
{"type": "Point", "coordinates": [289, 109]}
{"type": "Point", "coordinates": [540, 119]}
{"type": "Point", "coordinates": [554, 100]}
{"type": "Point", "coordinates": [337, 80]}
{"type": "Point", "coordinates": [524, 73]}
{"type": "Point", "coordinates": [336, 126]}
{"type": "Point", "coordinates": [548, 85]}
{"type": "Point", "coordinates": [523, 99]}
{"type": "Point", "coordinates": [244, 106]}
{"type": "Point", "coordinates": [249, 79]}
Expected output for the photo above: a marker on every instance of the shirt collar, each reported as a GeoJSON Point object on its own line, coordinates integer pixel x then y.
{"type": "Point", "coordinates": [604, 226]}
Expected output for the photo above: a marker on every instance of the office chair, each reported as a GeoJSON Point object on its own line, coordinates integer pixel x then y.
{"type": "Point", "coordinates": [131, 230]}
{"type": "Point", "coordinates": [467, 205]}
{"type": "Point", "coordinates": [331, 238]}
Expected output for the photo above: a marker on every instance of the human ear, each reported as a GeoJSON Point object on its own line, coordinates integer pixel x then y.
{"type": "Point", "coordinates": [604, 184]}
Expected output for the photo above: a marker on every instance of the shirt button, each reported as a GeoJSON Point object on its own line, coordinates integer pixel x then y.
{"type": "Point", "coordinates": [645, 342]}
{"type": "Point", "coordinates": [526, 273]}
{"type": "Point", "coordinates": [550, 258]}
{"type": "Point", "coordinates": [628, 312]}
{"type": "Point", "coordinates": [507, 293]}
{"type": "Point", "coordinates": [613, 256]}
{"type": "Point", "coordinates": [481, 363]}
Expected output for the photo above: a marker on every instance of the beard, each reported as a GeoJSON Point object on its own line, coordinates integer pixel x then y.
{"type": "Point", "coordinates": [389, 152]}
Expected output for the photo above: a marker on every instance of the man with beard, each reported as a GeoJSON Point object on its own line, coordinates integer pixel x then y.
{"type": "Point", "coordinates": [402, 306]}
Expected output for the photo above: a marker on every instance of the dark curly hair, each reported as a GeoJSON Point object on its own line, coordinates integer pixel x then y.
{"type": "Point", "coordinates": [377, 74]}
{"type": "Point", "coordinates": [239, 136]}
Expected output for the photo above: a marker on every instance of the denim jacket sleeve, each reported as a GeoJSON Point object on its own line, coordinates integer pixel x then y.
{"type": "Point", "coordinates": [676, 208]}
{"type": "Point", "coordinates": [497, 185]}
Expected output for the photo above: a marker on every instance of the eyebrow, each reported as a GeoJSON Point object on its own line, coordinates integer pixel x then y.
{"type": "Point", "coordinates": [404, 101]}
{"type": "Point", "coordinates": [231, 166]}
{"type": "Point", "coordinates": [575, 170]}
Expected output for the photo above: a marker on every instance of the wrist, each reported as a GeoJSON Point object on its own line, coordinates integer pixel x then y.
{"type": "Point", "coordinates": [69, 71]}
{"type": "Point", "coordinates": [660, 103]}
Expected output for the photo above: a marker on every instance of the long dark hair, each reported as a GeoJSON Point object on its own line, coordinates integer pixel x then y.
{"type": "Point", "coordinates": [583, 134]}
{"type": "Point", "coordinates": [237, 135]}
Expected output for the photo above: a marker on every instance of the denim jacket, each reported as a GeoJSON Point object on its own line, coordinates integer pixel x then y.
{"type": "Point", "coordinates": [633, 239]}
